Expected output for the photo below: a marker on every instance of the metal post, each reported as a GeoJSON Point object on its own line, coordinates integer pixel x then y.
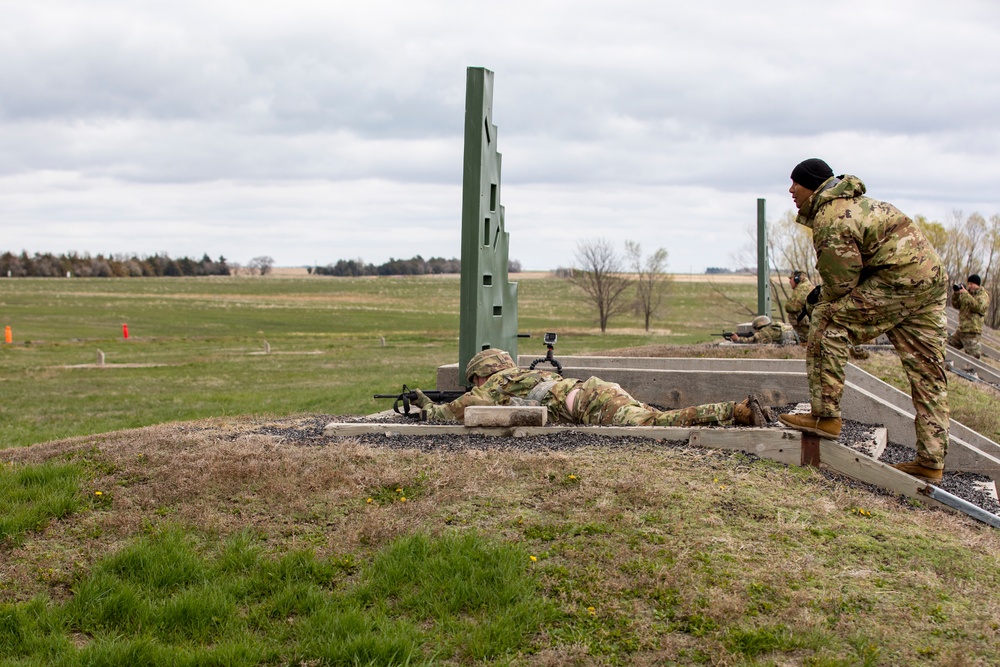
{"type": "Point", "coordinates": [763, 266]}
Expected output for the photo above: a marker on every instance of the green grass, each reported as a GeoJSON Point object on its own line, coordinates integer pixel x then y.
{"type": "Point", "coordinates": [163, 600]}
{"type": "Point", "coordinates": [218, 544]}
{"type": "Point", "coordinates": [32, 495]}
{"type": "Point", "coordinates": [195, 346]}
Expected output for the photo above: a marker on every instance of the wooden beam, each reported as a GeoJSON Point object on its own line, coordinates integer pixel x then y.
{"type": "Point", "coordinates": [783, 446]}
{"type": "Point", "coordinates": [847, 461]}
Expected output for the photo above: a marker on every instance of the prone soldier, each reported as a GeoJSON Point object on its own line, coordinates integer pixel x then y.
{"type": "Point", "coordinates": [497, 380]}
{"type": "Point", "coordinates": [767, 332]}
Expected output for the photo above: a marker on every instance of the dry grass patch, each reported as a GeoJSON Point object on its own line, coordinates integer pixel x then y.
{"type": "Point", "coordinates": [654, 552]}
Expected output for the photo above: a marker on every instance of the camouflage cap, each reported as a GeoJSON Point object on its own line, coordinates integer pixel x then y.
{"type": "Point", "coordinates": [488, 362]}
{"type": "Point", "coordinates": [760, 322]}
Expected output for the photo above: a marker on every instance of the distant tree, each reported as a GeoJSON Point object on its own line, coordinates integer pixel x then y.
{"type": "Point", "coordinates": [261, 265]}
{"type": "Point", "coordinates": [934, 231]}
{"type": "Point", "coordinates": [651, 279]}
{"type": "Point", "coordinates": [514, 266]}
{"type": "Point", "coordinates": [599, 274]}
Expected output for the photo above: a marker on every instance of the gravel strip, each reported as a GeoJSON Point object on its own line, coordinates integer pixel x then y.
{"type": "Point", "coordinates": [309, 432]}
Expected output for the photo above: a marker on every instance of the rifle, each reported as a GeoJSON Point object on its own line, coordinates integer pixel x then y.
{"type": "Point", "coordinates": [407, 396]}
{"type": "Point", "coordinates": [729, 334]}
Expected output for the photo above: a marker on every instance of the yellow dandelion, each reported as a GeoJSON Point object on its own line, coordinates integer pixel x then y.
{"type": "Point", "coordinates": [369, 500]}
{"type": "Point", "coordinates": [402, 499]}
{"type": "Point", "coordinates": [593, 612]}
{"type": "Point", "coordinates": [399, 490]}
{"type": "Point", "coordinates": [572, 476]}
{"type": "Point", "coordinates": [98, 493]}
{"type": "Point", "coordinates": [534, 559]}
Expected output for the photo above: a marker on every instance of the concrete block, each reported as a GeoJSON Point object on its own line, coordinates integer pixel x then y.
{"type": "Point", "coordinates": [484, 416]}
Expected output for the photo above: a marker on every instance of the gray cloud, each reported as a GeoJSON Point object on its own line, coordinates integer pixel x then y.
{"type": "Point", "coordinates": [154, 126]}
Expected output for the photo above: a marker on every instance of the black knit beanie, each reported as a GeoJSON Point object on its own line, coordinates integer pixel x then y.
{"type": "Point", "coordinates": [974, 278]}
{"type": "Point", "coordinates": [811, 173]}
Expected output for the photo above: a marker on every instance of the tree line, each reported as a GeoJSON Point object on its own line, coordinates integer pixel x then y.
{"type": "Point", "coordinates": [48, 265]}
{"type": "Point", "coordinates": [416, 266]}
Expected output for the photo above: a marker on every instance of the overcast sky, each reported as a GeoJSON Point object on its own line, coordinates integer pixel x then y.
{"type": "Point", "coordinates": [315, 130]}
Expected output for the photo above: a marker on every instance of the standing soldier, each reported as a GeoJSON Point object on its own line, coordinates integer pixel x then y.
{"type": "Point", "coordinates": [798, 315]}
{"type": "Point", "coordinates": [497, 380]}
{"type": "Point", "coordinates": [880, 276]}
{"type": "Point", "coordinates": [972, 301]}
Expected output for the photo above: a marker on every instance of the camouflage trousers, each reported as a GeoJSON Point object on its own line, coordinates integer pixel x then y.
{"type": "Point", "coordinates": [967, 342]}
{"type": "Point", "coordinates": [600, 402]}
{"type": "Point", "coordinates": [915, 324]}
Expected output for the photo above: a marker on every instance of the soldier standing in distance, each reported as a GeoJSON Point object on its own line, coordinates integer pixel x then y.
{"type": "Point", "coordinates": [798, 314]}
{"type": "Point", "coordinates": [973, 302]}
{"type": "Point", "coordinates": [880, 276]}
{"type": "Point", "coordinates": [497, 380]}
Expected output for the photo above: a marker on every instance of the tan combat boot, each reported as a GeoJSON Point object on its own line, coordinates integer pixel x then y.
{"type": "Point", "coordinates": [752, 412]}
{"type": "Point", "coordinates": [917, 469]}
{"type": "Point", "coordinates": [824, 427]}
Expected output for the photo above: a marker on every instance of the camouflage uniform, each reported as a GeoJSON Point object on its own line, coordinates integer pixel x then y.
{"type": "Point", "coordinates": [794, 306]}
{"type": "Point", "coordinates": [972, 310]}
{"type": "Point", "coordinates": [880, 275]}
{"type": "Point", "coordinates": [596, 402]}
{"type": "Point", "coordinates": [775, 333]}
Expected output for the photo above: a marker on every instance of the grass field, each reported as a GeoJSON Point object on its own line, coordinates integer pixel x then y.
{"type": "Point", "coordinates": [195, 346]}
{"type": "Point", "coordinates": [218, 541]}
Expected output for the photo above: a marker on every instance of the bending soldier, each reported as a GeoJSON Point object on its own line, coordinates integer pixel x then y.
{"type": "Point", "coordinates": [767, 332]}
{"type": "Point", "coordinates": [880, 276]}
{"type": "Point", "coordinates": [973, 302]}
{"type": "Point", "coordinates": [497, 380]}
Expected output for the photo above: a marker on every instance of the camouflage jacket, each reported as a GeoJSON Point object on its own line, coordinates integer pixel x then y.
{"type": "Point", "coordinates": [776, 333]}
{"type": "Point", "coordinates": [513, 387]}
{"type": "Point", "coordinates": [860, 240]}
{"type": "Point", "coordinates": [972, 310]}
{"type": "Point", "coordinates": [797, 300]}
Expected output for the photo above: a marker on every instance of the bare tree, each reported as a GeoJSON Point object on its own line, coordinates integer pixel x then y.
{"type": "Point", "coordinates": [991, 278]}
{"type": "Point", "coordinates": [598, 273]}
{"type": "Point", "coordinates": [261, 265]}
{"type": "Point", "coordinates": [651, 279]}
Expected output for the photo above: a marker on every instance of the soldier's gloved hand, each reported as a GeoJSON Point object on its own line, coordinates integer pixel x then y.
{"type": "Point", "coordinates": [422, 400]}
{"type": "Point", "coordinates": [813, 297]}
